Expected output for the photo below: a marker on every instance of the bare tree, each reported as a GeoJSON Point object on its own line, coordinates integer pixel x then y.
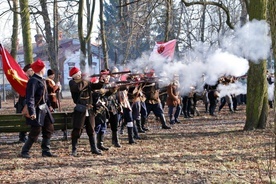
{"type": "Point", "coordinates": [14, 37]}
{"type": "Point", "coordinates": [84, 39]}
{"type": "Point", "coordinates": [26, 31]}
{"type": "Point", "coordinates": [103, 36]}
{"type": "Point", "coordinates": [257, 97]}
{"type": "Point", "coordinates": [272, 20]}
{"type": "Point", "coordinates": [52, 48]}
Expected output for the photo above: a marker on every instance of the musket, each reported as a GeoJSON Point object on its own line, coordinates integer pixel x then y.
{"type": "Point", "coordinates": [114, 73]}
{"type": "Point", "coordinates": [123, 84]}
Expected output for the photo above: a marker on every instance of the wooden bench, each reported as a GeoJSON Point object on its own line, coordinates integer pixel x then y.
{"type": "Point", "coordinates": [16, 122]}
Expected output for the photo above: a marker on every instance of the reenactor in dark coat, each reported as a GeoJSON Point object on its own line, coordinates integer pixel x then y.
{"type": "Point", "coordinates": [101, 99]}
{"type": "Point", "coordinates": [115, 110]}
{"type": "Point", "coordinates": [81, 92]}
{"type": "Point", "coordinates": [40, 119]}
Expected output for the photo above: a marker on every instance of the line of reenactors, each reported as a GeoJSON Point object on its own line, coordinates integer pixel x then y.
{"type": "Point", "coordinates": [120, 99]}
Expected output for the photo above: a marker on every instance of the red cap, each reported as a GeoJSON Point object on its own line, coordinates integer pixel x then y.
{"type": "Point", "coordinates": [37, 66]}
{"type": "Point", "coordinates": [73, 71]}
{"type": "Point", "coordinates": [94, 80]}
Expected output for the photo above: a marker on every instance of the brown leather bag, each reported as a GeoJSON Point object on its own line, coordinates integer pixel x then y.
{"type": "Point", "coordinates": [25, 111]}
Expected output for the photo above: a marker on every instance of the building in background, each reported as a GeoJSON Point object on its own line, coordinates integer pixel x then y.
{"type": "Point", "coordinates": [68, 57]}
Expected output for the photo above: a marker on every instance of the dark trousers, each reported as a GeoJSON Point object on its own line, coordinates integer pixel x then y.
{"type": "Point", "coordinates": [47, 130]}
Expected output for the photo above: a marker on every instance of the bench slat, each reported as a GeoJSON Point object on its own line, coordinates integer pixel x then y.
{"type": "Point", "coordinates": [16, 122]}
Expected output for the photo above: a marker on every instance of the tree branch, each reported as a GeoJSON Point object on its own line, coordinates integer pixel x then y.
{"type": "Point", "coordinates": [220, 5]}
{"type": "Point", "coordinates": [126, 4]}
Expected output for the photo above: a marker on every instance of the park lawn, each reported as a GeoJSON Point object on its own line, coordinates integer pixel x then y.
{"type": "Point", "coordinates": [203, 149]}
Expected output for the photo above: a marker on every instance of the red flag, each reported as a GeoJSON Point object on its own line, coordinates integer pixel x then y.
{"type": "Point", "coordinates": [165, 49]}
{"type": "Point", "coordinates": [14, 73]}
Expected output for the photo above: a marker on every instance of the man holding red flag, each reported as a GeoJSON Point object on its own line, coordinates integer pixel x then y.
{"type": "Point", "coordinates": [18, 80]}
{"type": "Point", "coordinates": [14, 73]}
{"type": "Point", "coordinates": [22, 101]}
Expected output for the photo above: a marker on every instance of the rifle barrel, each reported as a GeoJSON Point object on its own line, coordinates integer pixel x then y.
{"type": "Point", "coordinates": [114, 73]}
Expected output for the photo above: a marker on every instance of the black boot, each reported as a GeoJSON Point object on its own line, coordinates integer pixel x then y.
{"type": "Point", "coordinates": [171, 120]}
{"type": "Point", "coordinates": [115, 140]}
{"type": "Point", "coordinates": [139, 128]}
{"type": "Point", "coordinates": [65, 136]}
{"type": "Point", "coordinates": [26, 147]}
{"type": "Point", "coordinates": [45, 145]}
{"type": "Point", "coordinates": [22, 137]}
{"type": "Point", "coordinates": [135, 133]}
{"type": "Point", "coordinates": [130, 135]}
{"type": "Point", "coordinates": [185, 114]}
{"type": "Point", "coordinates": [93, 145]}
{"type": "Point", "coordinates": [206, 107]}
{"type": "Point", "coordinates": [74, 147]}
{"type": "Point", "coordinates": [122, 128]}
{"type": "Point", "coordinates": [143, 122]}
{"type": "Point", "coordinates": [100, 140]}
{"type": "Point", "coordinates": [163, 122]}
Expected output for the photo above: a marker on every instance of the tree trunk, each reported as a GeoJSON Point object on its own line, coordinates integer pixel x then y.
{"type": "Point", "coordinates": [14, 38]}
{"type": "Point", "coordinates": [168, 20]}
{"type": "Point", "coordinates": [81, 36]}
{"type": "Point", "coordinates": [88, 45]}
{"type": "Point", "coordinates": [104, 46]}
{"type": "Point", "coordinates": [26, 31]}
{"type": "Point", "coordinates": [49, 35]}
{"type": "Point", "coordinates": [257, 97]}
{"type": "Point", "coordinates": [202, 23]}
{"type": "Point", "coordinates": [84, 40]}
{"type": "Point", "coordinates": [272, 20]}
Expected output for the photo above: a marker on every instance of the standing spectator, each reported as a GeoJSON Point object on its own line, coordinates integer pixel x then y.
{"type": "Point", "coordinates": [22, 101]}
{"type": "Point", "coordinates": [81, 92]}
{"type": "Point", "coordinates": [54, 88]}
{"type": "Point", "coordinates": [41, 119]}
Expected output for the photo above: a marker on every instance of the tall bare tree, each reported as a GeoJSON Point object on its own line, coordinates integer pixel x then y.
{"type": "Point", "coordinates": [49, 36]}
{"type": "Point", "coordinates": [84, 39]}
{"type": "Point", "coordinates": [257, 97]}
{"type": "Point", "coordinates": [168, 24]}
{"type": "Point", "coordinates": [26, 31]}
{"type": "Point", "coordinates": [272, 20]}
{"type": "Point", "coordinates": [15, 26]}
{"type": "Point", "coordinates": [103, 36]}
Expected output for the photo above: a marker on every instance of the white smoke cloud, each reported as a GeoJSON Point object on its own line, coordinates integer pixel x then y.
{"type": "Point", "coordinates": [232, 88]}
{"type": "Point", "coordinates": [252, 41]}
{"type": "Point", "coordinates": [224, 64]}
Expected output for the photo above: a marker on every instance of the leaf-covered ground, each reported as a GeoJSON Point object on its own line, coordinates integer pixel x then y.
{"type": "Point", "coordinates": [203, 149]}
